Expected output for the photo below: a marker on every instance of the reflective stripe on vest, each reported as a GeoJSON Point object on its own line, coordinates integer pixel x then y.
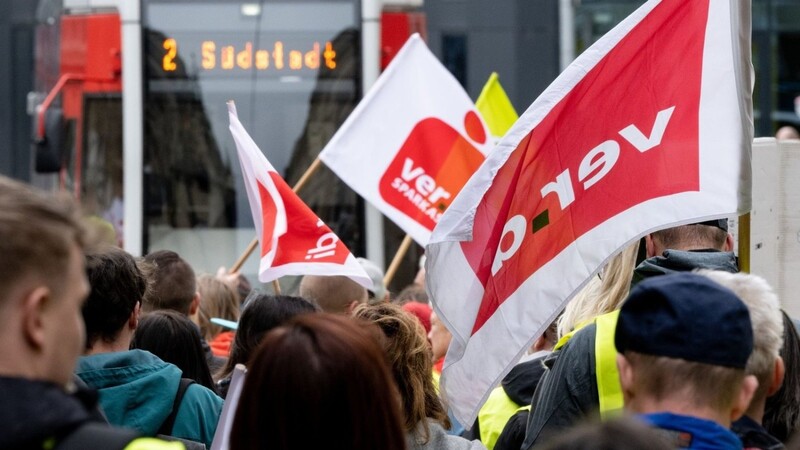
{"type": "Point", "coordinates": [494, 414]}
{"type": "Point", "coordinates": [609, 390]}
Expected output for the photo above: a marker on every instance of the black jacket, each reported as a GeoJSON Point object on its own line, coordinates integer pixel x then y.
{"type": "Point", "coordinates": [568, 390]}
{"type": "Point", "coordinates": [35, 411]}
{"type": "Point", "coordinates": [753, 435]}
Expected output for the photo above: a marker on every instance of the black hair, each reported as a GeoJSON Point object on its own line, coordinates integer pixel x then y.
{"type": "Point", "coordinates": [117, 285]}
{"type": "Point", "coordinates": [175, 339]}
{"type": "Point", "coordinates": [782, 410]}
{"type": "Point", "coordinates": [261, 314]}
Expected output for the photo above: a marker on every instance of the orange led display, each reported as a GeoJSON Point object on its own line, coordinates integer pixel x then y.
{"type": "Point", "coordinates": [168, 62]}
{"type": "Point", "coordinates": [215, 56]}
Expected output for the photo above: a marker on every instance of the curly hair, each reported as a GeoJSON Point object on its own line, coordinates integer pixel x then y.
{"type": "Point", "coordinates": [409, 354]}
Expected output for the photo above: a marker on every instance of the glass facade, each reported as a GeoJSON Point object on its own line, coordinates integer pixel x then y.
{"type": "Point", "coordinates": [293, 70]}
{"type": "Point", "coordinates": [776, 53]}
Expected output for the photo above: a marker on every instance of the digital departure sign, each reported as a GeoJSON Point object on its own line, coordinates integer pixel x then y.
{"type": "Point", "coordinates": [224, 55]}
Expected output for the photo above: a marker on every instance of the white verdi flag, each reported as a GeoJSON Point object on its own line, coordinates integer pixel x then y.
{"type": "Point", "coordinates": [293, 240]}
{"type": "Point", "coordinates": [650, 127]}
{"type": "Point", "coordinates": [411, 143]}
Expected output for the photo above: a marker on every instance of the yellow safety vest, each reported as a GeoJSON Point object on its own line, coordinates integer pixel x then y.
{"type": "Point", "coordinates": [494, 414]}
{"type": "Point", "coordinates": [609, 390]}
{"type": "Point", "coordinates": [154, 444]}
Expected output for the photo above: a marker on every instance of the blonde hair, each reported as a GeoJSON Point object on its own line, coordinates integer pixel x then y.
{"type": "Point", "coordinates": [602, 294]}
{"type": "Point", "coordinates": [703, 385]}
{"type": "Point", "coordinates": [38, 232]}
{"type": "Point", "coordinates": [217, 299]}
{"type": "Point", "coordinates": [409, 354]}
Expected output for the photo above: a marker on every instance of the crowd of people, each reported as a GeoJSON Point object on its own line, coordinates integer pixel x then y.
{"type": "Point", "coordinates": [668, 347]}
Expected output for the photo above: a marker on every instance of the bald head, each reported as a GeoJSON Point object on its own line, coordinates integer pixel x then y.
{"type": "Point", "coordinates": [336, 295]}
{"type": "Point", "coordinates": [787, 132]}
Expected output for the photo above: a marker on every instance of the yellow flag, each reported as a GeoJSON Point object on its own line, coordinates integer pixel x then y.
{"type": "Point", "coordinates": [496, 108]}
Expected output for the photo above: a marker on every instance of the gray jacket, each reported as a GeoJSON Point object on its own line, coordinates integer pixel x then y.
{"type": "Point", "coordinates": [438, 439]}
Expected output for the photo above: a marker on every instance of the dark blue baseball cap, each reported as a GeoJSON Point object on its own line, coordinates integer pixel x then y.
{"type": "Point", "coordinates": [722, 224]}
{"type": "Point", "coordinates": [686, 316]}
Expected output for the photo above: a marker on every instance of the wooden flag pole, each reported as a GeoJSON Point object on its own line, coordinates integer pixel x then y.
{"type": "Point", "coordinates": [243, 257]}
{"type": "Point", "coordinates": [254, 243]}
{"type": "Point", "coordinates": [276, 287]}
{"type": "Point", "coordinates": [398, 258]}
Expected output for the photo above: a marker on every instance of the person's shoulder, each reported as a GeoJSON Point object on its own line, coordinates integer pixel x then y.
{"type": "Point", "coordinates": [198, 414]}
{"type": "Point", "coordinates": [439, 439]}
{"type": "Point", "coordinates": [201, 394]}
{"type": "Point", "coordinates": [582, 341]}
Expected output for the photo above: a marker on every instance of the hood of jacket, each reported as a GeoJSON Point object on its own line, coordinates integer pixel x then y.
{"type": "Point", "coordinates": [521, 381]}
{"type": "Point", "coordinates": [680, 261]}
{"type": "Point", "coordinates": [34, 411]}
{"type": "Point", "coordinates": [136, 388]}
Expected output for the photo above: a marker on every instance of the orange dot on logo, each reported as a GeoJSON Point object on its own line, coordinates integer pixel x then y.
{"type": "Point", "coordinates": [474, 127]}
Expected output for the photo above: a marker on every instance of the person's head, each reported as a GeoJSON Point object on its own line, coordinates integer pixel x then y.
{"type": "Point", "coordinates": [787, 132]}
{"type": "Point", "coordinates": [111, 312]}
{"type": "Point", "coordinates": [548, 340]}
{"type": "Point", "coordinates": [411, 293]}
{"type": "Point", "coordinates": [378, 293]}
{"type": "Point", "coordinates": [603, 293]}
{"type": "Point", "coordinates": [765, 316]}
{"type": "Point", "coordinates": [782, 411]}
{"type": "Point", "coordinates": [261, 314]}
{"type": "Point", "coordinates": [173, 282]}
{"type": "Point", "coordinates": [174, 338]}
{"type": "Point", "coordinates": [683, 343]}
{"type": "Point", "coordinates": [337, 295]}
{"type": "Point", "coordinates": [323, 371]}
{"type": "Point", "coordinates": [712, 234]}
{"type": "Point", "coordinates": [410, 358]}
{"type": "Point", "coordinates": [439, 338]}
{"type": "Point", "coordinates": [217, 299]}
{"type": "Point", "coordinates": [422, 312]}
{"type": "Point", "coordinates": [625, 433]}
{"type": "Point", "coordinates": [42, 283]}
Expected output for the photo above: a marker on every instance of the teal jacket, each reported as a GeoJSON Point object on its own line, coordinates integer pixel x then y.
{"type": "Point", "coordinates": [137, 390]}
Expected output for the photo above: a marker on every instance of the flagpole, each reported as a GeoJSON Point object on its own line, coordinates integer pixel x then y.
{"type": "Point", "coordinates": [398, 258]}
{"type": "Point", "coordinates": [254, 243]}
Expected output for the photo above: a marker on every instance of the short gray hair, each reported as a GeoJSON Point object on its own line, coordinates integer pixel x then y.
{"type": "Point", "coordinates": [765, 316]}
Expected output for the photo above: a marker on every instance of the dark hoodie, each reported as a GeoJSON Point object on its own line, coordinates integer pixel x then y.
{"type": "Point", "coordinates": [36, 411]}
{"type": "Point", "coordinates": [673, 261]}
{"type": "Point", "coordinates": [519, 385]}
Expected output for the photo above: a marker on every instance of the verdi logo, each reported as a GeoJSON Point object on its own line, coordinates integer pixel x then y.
{"type": "Point", "coordinates": [432, 166]}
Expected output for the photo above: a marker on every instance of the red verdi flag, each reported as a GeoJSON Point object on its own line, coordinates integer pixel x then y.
{"type": "Point", "coordinates": [650, 127]}
{"type": "Point", "coordinates": [294, 241]}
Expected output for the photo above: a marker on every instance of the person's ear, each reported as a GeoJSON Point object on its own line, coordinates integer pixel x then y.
{"type": "Point", "coordinates": [195, 304]}
{"type": "Point", "coordinates": [728, 245]}
{"type": "Point", "coordinates": [351, 307]}
{"type": "Point", "coordinates": [742, 400]}
{"type": "Point", "coordinates": [650, 246]}
{"type": "Point", "coordinates": [33, 306]}
{"type": "Point", "coordinates": [133, 320]}
{"type": "Point", "coordinates": [626, 377]}
{"type": "Point", "coordinates": [539, 344]}
{"type": "Point", "coordinates": [777, 377]}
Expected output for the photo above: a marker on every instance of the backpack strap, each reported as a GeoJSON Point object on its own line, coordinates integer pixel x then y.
{"type": "Point", "coordinates": [97, 435]}
{"type": "Point", "coordinates": [169, 422]}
